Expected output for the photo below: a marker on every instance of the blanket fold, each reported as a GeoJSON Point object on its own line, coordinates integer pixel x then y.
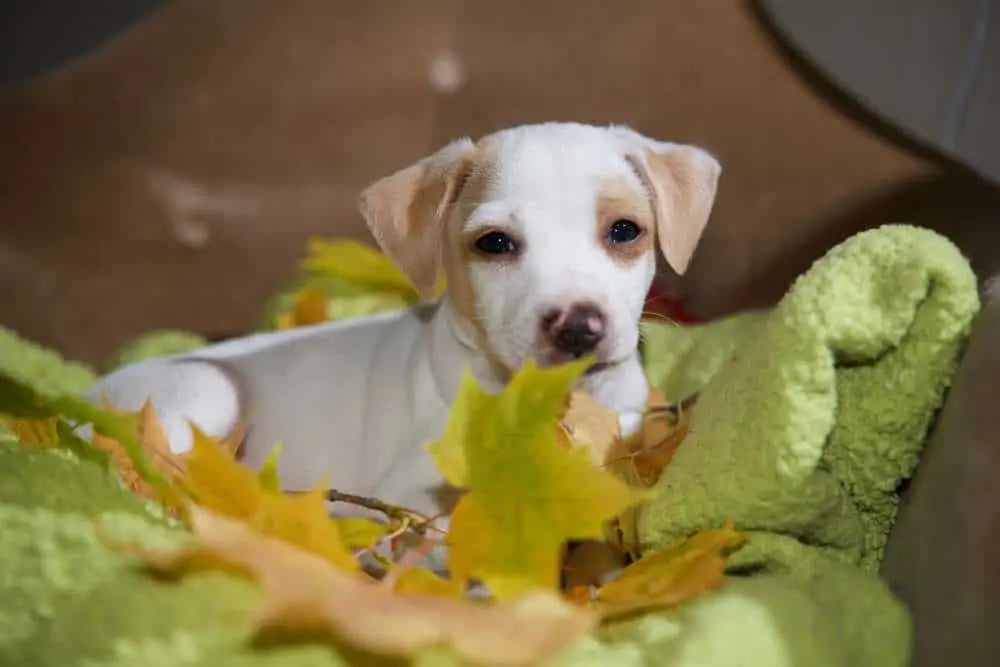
{"type": "Point", "coordinates": [809, 418]}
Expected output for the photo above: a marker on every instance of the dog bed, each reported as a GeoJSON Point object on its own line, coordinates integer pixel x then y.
{"type": "Point", "coordinates": [810, 416]}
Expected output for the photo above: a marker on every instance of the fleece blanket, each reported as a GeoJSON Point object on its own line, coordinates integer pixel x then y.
{"type": "Point", "coordinates": [810, 416]}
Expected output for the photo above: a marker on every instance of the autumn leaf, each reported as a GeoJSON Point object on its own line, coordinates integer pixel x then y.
{"type": "Point", "coordinates": [641, 459]}
{"type": "Point", "coordinates": [302, 519]}
{"type": "Point", "coordinates": [359, 265]}
{"type": "Point", "coordinates": [19, 401]}
{"type": "Point", "coordinates": [589, 424]}
{"type": "Point", "coordinates": [303, 594]}
{"type": "Point", "coordinates": [344, 279]}
{"type": "Point", "coordinates": [527, 494]}
{"type": "Point", "coordinates": [666, 577]}
{"type": "Point", "coordinates": [36, 432]}
{"type": "Point", "coordinates": [155, 446]}
{"type": "Point", "coordinates": [216, 481]}
{"type": "Point", "coordinates": [308, 307]}
{"type": "Point", "coordinates": [421, 581]}
{"type": "Point", "coordinates": [359, 532]}
{"type": "Point", "coordinates": [267, 476]}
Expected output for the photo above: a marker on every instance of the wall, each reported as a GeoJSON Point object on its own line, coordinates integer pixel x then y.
{"type": "Point", "coordinates": [171, 179]}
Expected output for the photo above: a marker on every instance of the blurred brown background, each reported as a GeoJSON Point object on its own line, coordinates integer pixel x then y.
{"type": "Point", "coordinates": [170, 179]}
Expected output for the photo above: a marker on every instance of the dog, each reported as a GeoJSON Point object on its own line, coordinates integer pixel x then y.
{"type": "Point", "coordinates": [546, 236]}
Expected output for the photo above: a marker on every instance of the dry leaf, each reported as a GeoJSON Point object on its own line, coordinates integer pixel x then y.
{"type": "Point", "coordinates": [361, 533]}
{"type": "Point", "coordinates": [420, 581]}
{"type": "Point", "coordinates": [267, 476]}
{"type": "Point", "coordinates": [308, 307]}
{"type": "Point", "coordinates": [155, 446]}
{"type": "Point", "coordinates": [303, 594]}
{"type": "Point", "coordinates": [641, 460]}
{"type": "Point", "coordinates": [20, 401]}
{"type": "Point", "coordinates": [666, 577]}
{"type": "Point", "coordinates": [664, 428]}
{"type": "Point", "coordinates": [36, 432]}
{"type": "Point", "coordinates": [215, 481]}
{"type": "Point", "coordinates": [527, 494]}
{"type": "Point", "coordinates": [589, 424]}
{"type": "Point", "coordinates": [361, 266]}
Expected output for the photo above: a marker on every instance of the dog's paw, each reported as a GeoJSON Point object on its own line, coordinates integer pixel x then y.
{"type": "Point", "coordinates": [629, 423]}
{"type": "Point", "coordinates": [181, 392]}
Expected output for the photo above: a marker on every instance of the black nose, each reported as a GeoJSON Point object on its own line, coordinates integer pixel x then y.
{"type": "Point", "coordinates": [575, 331]}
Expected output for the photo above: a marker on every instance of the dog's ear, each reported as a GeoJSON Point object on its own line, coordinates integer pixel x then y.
{"type": "Point", "coordinates": [405, 211]}
{"type": "Point", "coordinates": [682, 181]}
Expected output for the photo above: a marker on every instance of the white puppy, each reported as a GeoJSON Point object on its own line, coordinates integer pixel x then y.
{"type": "Point", "coordinates": [545, 234]}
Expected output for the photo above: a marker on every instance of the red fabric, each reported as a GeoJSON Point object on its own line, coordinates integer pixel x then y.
{"type": "Point", "coordinates": [660, 304]}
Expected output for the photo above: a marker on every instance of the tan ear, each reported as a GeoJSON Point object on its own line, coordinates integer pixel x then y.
{"type": "Point", "coordinates": [405, 211]}
{"type": "Point", "coordinates": [682, 180]}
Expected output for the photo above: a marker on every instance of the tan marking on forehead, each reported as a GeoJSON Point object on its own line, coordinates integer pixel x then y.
{"type": "Point", "coordinates": [457, 255]}
{"type": "Point", "coordinates": [617, 200]}
{"type": "Point", "coordinates": [478, 179]}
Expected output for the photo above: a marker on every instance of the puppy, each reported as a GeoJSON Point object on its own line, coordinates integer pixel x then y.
{"type": "Point", "coordinates": [546, 236]}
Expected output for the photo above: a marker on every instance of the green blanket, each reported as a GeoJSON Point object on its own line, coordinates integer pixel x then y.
{"type": "Point", "coordinates": [810, 416]}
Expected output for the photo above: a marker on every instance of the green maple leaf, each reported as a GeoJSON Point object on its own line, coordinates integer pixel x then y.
{"type": "Point", "coordinates": [527, 493]}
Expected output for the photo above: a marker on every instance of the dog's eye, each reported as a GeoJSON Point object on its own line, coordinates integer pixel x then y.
{"type": "Point", "coordinates": [495, 243]}
{"type": "Point", "coordinates": [623, 231]}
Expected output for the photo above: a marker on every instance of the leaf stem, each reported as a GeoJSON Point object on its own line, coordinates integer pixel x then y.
{"type": "Point", "coordinates": [419, 523]}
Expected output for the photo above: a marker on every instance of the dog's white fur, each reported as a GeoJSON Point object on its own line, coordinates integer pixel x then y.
{"type": "Point", "coordinates": [354, 402]}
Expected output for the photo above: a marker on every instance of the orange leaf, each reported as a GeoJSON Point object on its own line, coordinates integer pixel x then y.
{"type": "Point", "coordinates": [154, 443]}
{"type": "Point", "coordinates": [304, 594]}
{"type": "Point", "coordinates": [646, 455]}
{"type": "Point", "coordinates": [38, 432]}
{"type": "Point", "coordinates": [308, 307]}
{"type": "Point", "coordinates": [666, 577]}
{"type": "Point", "coordinates": [217, 482]}
{"type": "Point", "coordinates": [589, 424]}
{"type": "Point", "coordinates": [641, 459]}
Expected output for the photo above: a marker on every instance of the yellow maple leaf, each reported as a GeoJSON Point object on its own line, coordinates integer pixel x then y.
{"type": "Point", "coordinates": [666, 577]}
{"type": "Point", "coordinates": [359, 532]}
{"type": "Point", "coordinates": [304, 594]}
{"type": "Point", "coordinates": [309, 306]}
{"type": "Point", "coordinates": [527, 494]}
{"type": "Point", "coordinates": [267, 476]}
{"type": "Point", "coordinates": [214, 480]}
{"type": "Point", "coordinates": [421, 581]}
{"type": "Point", "coordinates": [360, 265]}
{"type": "Point", "coordinates": [302, 519]}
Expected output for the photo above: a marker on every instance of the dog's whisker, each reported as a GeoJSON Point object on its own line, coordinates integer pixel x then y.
{"type": "Point", "coordinates": [652, 314]}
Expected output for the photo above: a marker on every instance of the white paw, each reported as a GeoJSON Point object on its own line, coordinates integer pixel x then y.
{"type": "Point", "coordinates": [629, 423]}
{"type": "Point", "coordinates": [181, 392]}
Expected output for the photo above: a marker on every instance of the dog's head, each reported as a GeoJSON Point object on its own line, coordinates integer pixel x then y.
{"type": "Point", "coordinates": [546, 234]}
